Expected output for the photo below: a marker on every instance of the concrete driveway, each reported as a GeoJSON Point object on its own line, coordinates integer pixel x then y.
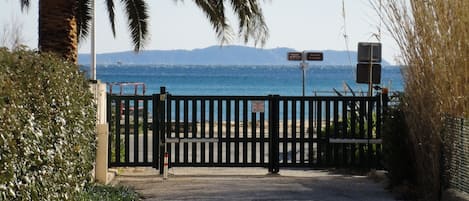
{"type": "Point", "coordinates": [251, 184]}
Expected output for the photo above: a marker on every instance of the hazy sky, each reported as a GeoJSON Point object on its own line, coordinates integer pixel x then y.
{"type": "Point", "coordinates": [298, 24]}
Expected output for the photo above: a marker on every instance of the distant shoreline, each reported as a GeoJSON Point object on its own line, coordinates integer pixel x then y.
{"type": "Point", "coordinates": [216, 55]}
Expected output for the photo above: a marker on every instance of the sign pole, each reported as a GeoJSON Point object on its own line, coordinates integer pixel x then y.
{"type": "Point", "coordinates": [303, 65]}
{"type": "Point", "coordinates": [303, 56]}
{"type": "Point", "coordinates": [370, 84]}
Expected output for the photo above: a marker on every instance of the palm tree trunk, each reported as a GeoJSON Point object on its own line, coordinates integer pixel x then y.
{"type": "Point", "coordinates": [58, 28]}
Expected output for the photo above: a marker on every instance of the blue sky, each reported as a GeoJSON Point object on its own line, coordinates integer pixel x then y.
{"type": "Point", "coordinates": [298, 24]}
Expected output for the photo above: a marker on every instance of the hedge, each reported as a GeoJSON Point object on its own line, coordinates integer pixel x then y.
{"type": "Point", "coordinates": [47, 128]}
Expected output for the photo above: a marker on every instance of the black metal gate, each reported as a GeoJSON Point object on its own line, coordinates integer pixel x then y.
{"type": "Point", "coordinates": [245, 131]}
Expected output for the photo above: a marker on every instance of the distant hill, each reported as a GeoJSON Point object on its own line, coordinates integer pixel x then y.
{"type": "Point", "coordinates": [217, 55]}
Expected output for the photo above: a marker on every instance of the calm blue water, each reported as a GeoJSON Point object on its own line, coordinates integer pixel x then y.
{"type": "Point", "coordinates": [241, 80]}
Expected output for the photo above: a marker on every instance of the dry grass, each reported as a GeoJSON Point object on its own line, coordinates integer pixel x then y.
{"type": "Point", "coordinates": [433, 38]}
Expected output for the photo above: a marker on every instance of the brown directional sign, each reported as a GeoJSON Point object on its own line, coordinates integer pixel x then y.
{"type": "Point", "coordinates": [295, 56]}
{"type": "Point", "coordinates": [314, 56]}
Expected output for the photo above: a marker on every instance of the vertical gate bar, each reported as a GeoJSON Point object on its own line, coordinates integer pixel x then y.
{"type": "Point", "coordinates": [370, 129]}
{"type": "Point", "coordinates": [362, 130]}
{"type": "Point", "coordinates": [253, 137]}
{"type": "Point", "coordinates": [310, 133]}
{"type": "Point", "coordinates": [194, 130]}
{"type": "Point", "coordinates": [155, 134]}
{"type": "Point", "coordinates": [136, 128]}
{"type": "Point", "coordinates": [169, 120]}
{"type": "Point", "coordinates": [344, 132]}
{"type": "Point", "coordinates": [220, 131]}
{"type": "Point", "coordinates": [277, 130]}
{"type": "Point", "coordinates": [186, 130]}
{"type": "Point", "coordinates": [118, 130]}
{"type": "Point", "coordinates": [262, 136]}
{"type": "Point", "coordinates": [110, 122]}
{"type": "Point", "coordinates": [245, 132]}
{"type": "Point", "coordinates": [328, 132]}
{"type": "Point", "coordinates": [202, 130]}
{"type": "Point", "coordinates": [378, 129]}
{"type": "Point", "coordinates": [228, 131]}
{"type": "Point", "coordinates": [145, 131]}
{"type": "Point", "coordinates": [302, 131]}
{"type": "Point", "coordinates": [353, 133]}
{"type": "Point", "coordinates": [109, 99]}
{"type": "Point", "coordinates": [275, 134]}
{"type": "Point", "coordinates": [127, 131]}
{"type": "Point", "coordinates": [336, 132]}
{"type": "Point", "coordinates": [236, 155]}
{"type": "Point", "coordinates": [285, 132]}
{"type": "Point", "coordinates": [177, 129]}
{"type": "Point", "coordinates": [159, 145]}
{"type": "Point", "coordinates": [211, 130]}
{"type": "Point", "coordinates": [383, 116]}
{"type": "Point", "coordinates": [319, 133]}
{"type": "Point", "coordinates": [271, 117]}
{"type": "Point", "coordinates": [293, 131]}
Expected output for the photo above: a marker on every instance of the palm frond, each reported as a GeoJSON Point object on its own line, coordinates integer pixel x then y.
{"type": "Point", "coordinates": [111, 14]}
{"type": "Point", "coordinates": [83, 16]}
{"type": "Point", "coordinates": [251, 21]}
{"type": "Point", "coordinates": [215, 12]}
{"type": "Point", "coordinates": [137, 15]}
{"type": "Point", "coordinates": [24, 4]}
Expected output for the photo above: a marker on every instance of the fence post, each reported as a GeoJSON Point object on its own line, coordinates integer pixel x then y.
{"type": "Point", "coordinates": [385, 100]}
{"type": "Point", "coordinates": [382, 108]}
{"type": "Point", "coordinates": [162, 126]}
{"type": "Point", "coordinates": [102, 156]}
{"type": "Point", "coordinates": [274, 133]}
{"type": "Point", "coordinates": [155, 129]}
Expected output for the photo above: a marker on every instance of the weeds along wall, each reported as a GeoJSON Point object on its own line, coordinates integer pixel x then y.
{"type": "Point", "coordinates": [47, 128]}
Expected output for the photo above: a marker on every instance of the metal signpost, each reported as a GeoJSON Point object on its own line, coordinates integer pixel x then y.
{"type": "Point", "coordinates": [303, 56]}
{"type": "Point", "coordinates": [369, 55]}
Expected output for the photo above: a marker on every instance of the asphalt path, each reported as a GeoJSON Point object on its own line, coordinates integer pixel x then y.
{"type": "Point", "coordinates": [251, 184]}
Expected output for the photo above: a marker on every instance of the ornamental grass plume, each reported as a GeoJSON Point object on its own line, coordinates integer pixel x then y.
{"type": "Point", "coordinates": [434, 42]}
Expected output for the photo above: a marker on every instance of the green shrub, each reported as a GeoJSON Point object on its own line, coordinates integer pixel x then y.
{"type": "Point", "coordinates": [47, 128]}
{"type": "Point", "coordinates": [397, 147]}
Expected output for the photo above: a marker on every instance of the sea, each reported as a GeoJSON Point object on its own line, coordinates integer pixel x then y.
{"type": "Point", "coordinates": [250, 80]}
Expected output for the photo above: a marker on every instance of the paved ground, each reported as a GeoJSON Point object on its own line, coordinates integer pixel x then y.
{"type": "Point", "coordinates": [251, 184]}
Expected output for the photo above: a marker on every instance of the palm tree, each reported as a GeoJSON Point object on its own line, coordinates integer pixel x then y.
{"type": "Point", "coordinates": [62, 23]}
{"type": "Point", "coordinates": [250, 18]}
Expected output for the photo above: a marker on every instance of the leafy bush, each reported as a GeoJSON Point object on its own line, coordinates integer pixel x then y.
{"type": "Point", "coordinates": [396, 147]}
{"type": "Point", "coordinates": [47, 128]}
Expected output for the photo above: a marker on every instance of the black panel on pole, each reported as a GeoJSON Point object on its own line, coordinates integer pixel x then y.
{"type": "Point", "coordinates": [366, 50]}
{"type": "Point", "coordinates": [363, 73]}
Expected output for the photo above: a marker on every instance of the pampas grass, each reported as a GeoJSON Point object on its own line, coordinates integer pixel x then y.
{"type": "Point", "coordinates": [434, 42]}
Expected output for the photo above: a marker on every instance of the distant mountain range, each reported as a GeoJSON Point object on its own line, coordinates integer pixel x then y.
{"type": "Point", "coordinates": [218, 55]}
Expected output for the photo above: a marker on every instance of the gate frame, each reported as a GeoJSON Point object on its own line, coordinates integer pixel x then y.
{"type": "Point", "coordinates": [161, 125]}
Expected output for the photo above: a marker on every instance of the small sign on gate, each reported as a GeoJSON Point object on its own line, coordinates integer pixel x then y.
{"type": "Point", "coordinates": [257, 106]}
